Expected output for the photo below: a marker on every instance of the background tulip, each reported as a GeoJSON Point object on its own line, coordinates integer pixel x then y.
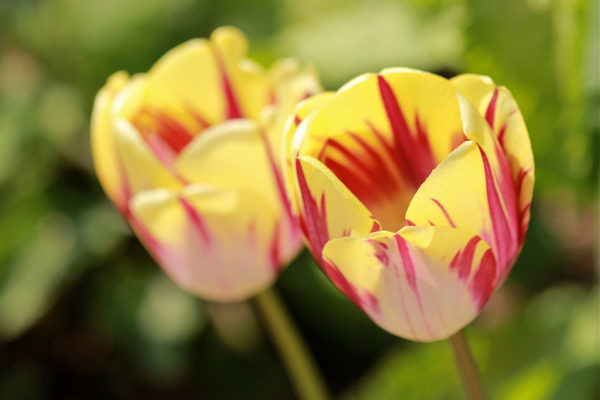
{"type": "Point", "coordinates": [414, 194]}
{"type": "Point", "coordinates": [189, 154]}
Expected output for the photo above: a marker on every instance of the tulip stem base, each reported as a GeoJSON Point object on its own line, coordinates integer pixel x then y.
{"type": "Point", "coordinates": [293, 351]}
{"type": "Point", "coordinates": [468, 371]}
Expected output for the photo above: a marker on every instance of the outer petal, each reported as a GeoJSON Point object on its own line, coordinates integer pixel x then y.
{"type": "Point", "coordinates": [216, 244]}
{"type": "Point", "coordinates": [303, 109]}
{"type": "Point", "coordinates": [237, 155]}
{"type": "Point", "coordinates": [501, 111]}
{"type": "Point", "coordinates": [422, 283]}
{"type": "Point", "coordinates": [462, 192]}
{"type": "Point", "coordinates": [382, 135]}
{"type": "Point", "coordinates": [329, 209]}
{"type": "Point", "coordinates": [210, 77]}
{"type": "Point", "coordinates": [142, 169]}
{"type": "Point", "coordinates": [293, 83]}
{"type": "Point", "coordinates": [104, 149]}
{"type": "Point", "coordinates": [230, 155]}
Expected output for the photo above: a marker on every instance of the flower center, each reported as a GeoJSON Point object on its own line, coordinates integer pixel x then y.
{"type": "Point", "coordinates": [383, 169]}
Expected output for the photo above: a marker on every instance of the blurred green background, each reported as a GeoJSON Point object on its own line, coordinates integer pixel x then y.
{"type": "Point", "coordinates": [86, 314]}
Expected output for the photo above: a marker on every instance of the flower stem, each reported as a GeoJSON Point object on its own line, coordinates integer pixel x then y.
{"type": "Point", "coordinates": [466, 367]}
{"type": "Point", "coordinates": [299, 363]}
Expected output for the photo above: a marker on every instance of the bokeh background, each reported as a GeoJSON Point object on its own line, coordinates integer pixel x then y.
{"type": "Point", "coordinates": [86, 314]}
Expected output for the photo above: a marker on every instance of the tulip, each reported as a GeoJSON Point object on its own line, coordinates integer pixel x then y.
{"type": "Point", "coordinates": [413, 193]}
{"type": "Point", "coordinates": [189, 153]}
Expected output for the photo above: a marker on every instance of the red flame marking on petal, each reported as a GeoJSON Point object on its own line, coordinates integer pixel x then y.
{"type": "Point", "coordinates": [463, 260]}
{"type": "Point", "coordinates": [175, 134]}
{"type": "Point", "coordinates": [197, 221]}
{"type": "Point", "coordinates": [274, 253]}
{"type": "Point", "coordinates": [411, 276]}
{"type": "Point", "coordinates": [415, 153]}
{"type": "Point", "coordinates": [491, 109]}
{"type": "Point", "coordinates": [233, 109]}
{"type": "Point", "coordinates": [501, 135]}
{"type": "Point", "coordinates": [505, 243]}
{"type": "Point", "coordinates": [366, 302]}
{"type": "Point", "coordinates": [483, 283]}
{"type": "Point", "coordinates": [285, 201]}
{"type": "Point", "coordinates": [314, 221]}
{"type": "Point", "coordinates": [376, 227]}
{"type": "Point", "coordinates": [444, 211]}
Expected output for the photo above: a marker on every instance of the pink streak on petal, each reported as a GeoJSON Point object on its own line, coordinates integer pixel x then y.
{"type": "Point", "coordinates": [314, 221]}
{"type": "Point", "coordinates": [411, 276]}
{"type": "Point", "coordinates": [444, 211]}
{"type": "Point", "coordinates": [501, 135]}
{"type": "Point", "coordinates": [285, 201]}
{"type": "Point", "coordinates": [175, 134]}
{"type": "Point", "coordinates": [233, 109]}
{"type": "Point", "coordinates": [202, 122]}
{"type": "Point", "coordinates": [197, 221]}
{"type": "Point", "coordinates": [491, 109]}
{"type": "Point", "coordinates": [381, 252]}
{"type": "Point", "coordinates": [483, 283]}
{"type": "Point", "coordinates": [416, 152]}
{"type": "Point", "coordinates": [463, 260]}
{"type": "Point", "coordinates": [403, 303]}
{"type": "Point", "coordinates": [275, 253]}
{"type": "Point", "coordinates": [366, 302]}
{"type": "Point", "coordinates": [505, 243]}
{"type": "Point", "coordinates": [376, 227]}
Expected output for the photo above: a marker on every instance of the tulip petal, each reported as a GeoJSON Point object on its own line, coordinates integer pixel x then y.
{"type": "Point", "coordinates": [302, 111]}
{"type": "Point", "coordinates": [143, 170]}
{"type": "Point", "coordinates": [236, 155]}
{"type": "Point", "coordinates": [502, 113]}
{"type": "Point", "coordinates": [293, 83]}
{"type": "Point", "coordinates": [210, 77]}
{"type": "Point", "coordinates": [422, 283]}
{"type": "Point", "coordinates": [382, 135]}
{"type": "Point", "coordinates": [230, 155]}
{"type": "Point", "coordinates": [330, 210]}
{"type": "Point", "coordinates": [462, 192]}
{"type": "Point", "coordinates": [216, 244]}
{"type": "Point", "coordinates": [104, 148]}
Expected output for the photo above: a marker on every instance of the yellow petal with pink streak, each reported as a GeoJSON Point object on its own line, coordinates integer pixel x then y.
{"type": "Point", "coordinates": [142, 169]}
{"type": "Point", "coordinates": [328, 209]}
{"type": "Point", "coordinates": [216, 244]}
{"type": "Point", "coordinates": [465, 191]}
{"type": "Point", "coordinates": [291, 148]}
{"type": "Point", "coordinates": [502, 112]}
{"type": "Point", "coordinates": [231, 155]}
{"type": "Point", "coordinates": [209, 79]}
{"type": "Point", "coordinates": [422, 283]}
{"type": "Point", "coordinates": [237, 155]}
{"type": "Point", "coordinates": [383, 134]}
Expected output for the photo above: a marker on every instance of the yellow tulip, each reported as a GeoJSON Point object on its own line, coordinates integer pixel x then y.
{"type": "Point", "coordinates": [413, 193]}
{"type": "Point", "coordinates": [190, 154]}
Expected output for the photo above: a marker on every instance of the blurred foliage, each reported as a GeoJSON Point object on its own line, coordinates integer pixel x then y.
{"type": "Point", "coordinates": [85, 313]}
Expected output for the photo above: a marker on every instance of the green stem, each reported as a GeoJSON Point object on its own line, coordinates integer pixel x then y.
{"type": "Point", "coordinates": [466, 367]}
{"type": "Point", "coordinates": [299, 363]}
